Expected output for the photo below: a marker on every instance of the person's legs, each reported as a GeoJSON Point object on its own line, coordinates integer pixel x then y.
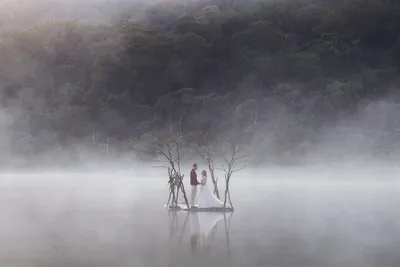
{"type": "Point", "coordinates": [193, 195]}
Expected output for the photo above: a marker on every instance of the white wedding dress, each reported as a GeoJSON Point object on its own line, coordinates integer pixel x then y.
{"type": "Point", "coordinates": [205, 198]}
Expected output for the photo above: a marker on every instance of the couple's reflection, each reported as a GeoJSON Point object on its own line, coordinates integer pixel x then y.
{"type": "Point", "coordinates": [205, 231]}
{"type": "Point", "coordinates": [204, 227]}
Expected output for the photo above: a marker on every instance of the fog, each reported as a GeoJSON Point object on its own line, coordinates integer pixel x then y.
{"type": "Point", "coordinates": [337, 207]}
{"type": "Point", "coordinates": [366, 139]}
{"type": "Point", "coordinates": [23, 14]}
{"type": "Point", "coordinates": [282, 217]}
{"type": "Point", "coordinates": [329, 200]}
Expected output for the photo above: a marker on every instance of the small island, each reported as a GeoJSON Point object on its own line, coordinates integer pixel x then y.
{"type": "Point", "coordinates": [181, 207]}
{"type": "Point", "coordinates": [228, 158]}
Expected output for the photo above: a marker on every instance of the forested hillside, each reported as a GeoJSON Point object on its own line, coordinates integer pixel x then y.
{"type": "Point", "coordinates": [19, 14]}
{"type": "Point", "coordinates": [274, 72]}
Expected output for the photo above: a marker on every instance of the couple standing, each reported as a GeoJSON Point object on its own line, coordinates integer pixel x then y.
{"type": "Point", "coordinates": [205, 199]}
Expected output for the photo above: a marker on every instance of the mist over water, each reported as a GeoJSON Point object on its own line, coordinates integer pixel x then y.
{"type": "Point", "coordinates": [79, 98]}
{"type": "Point", "coordinates": [292, 217]}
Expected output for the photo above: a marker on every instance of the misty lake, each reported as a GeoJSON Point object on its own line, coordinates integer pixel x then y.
{"type": "Point", "coordinates": [118, 219]}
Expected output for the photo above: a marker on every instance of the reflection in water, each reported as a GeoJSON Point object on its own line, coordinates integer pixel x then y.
{"type": "Point", "coordinates": [203, 231]}
{"type": "Point", "coordinates": [304, 225]}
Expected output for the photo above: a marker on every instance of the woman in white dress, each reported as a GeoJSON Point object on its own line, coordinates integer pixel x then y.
{"type": "Point", "coordinates": [206, 199]}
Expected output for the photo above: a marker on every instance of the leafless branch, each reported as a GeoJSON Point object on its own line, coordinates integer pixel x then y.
{"type": "Point", "coordinates": [208, 156]}
{"type": "Point", "coordinates": [169, 149]}
{"type": "Point", "coordinates": [239, 169]}
{"type": "Point", "coordinates": [229, 166]}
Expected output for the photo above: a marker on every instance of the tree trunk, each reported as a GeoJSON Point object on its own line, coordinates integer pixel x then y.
{"type": "Point", "coordinates": [177, 195]}
{"type": "Point", "coordinates": [169, 198]}
{"type": "Point", "coordinates": [184, 193]}
{"type": "Point", "coordinates": [256, 115]}
{"type": "Point", "coordinates": [229, 197]}
{"type": "Point", "coordinates": [107, 147]}
{"type": "Point", "coordinates": [226, 191]}
{"type": "Point", "coordinates": [93, 134]}
{"type": "Point", "coordinates": [173, 196]}
{"type": "Point", "coordinates": [216, 191]}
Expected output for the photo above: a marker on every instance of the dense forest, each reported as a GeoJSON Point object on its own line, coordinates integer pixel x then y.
{"type": "Point", "coordinates": [278, 74]}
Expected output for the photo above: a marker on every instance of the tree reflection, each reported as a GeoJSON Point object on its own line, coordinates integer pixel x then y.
{"type": "Point", "coordinates": [201, 233]}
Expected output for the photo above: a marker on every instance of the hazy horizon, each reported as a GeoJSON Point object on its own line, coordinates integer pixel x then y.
{"type": "Point", "coordinates": [98, 98]}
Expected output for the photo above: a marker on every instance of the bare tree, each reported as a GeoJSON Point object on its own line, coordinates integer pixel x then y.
{"type": "Point", "coordinates": [169, 149]}
{"type": "Point", "coordinates": [231, 164]}
{"type": "Point", "coordinates": [208, 154]}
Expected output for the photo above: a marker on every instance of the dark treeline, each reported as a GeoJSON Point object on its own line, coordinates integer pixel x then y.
{"type": "Point", "coordinates": [273, 72]}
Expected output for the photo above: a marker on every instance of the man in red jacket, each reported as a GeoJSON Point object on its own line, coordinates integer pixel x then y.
{"type": "Point", "coordinates": [194, 183]}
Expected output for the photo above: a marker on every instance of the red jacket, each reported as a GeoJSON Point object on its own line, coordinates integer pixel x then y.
{"type": "Point", "coordinates": [193, 177]}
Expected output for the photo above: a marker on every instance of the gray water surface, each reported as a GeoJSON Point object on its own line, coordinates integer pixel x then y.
{"type": "Point", "coordinates": [114, 220]}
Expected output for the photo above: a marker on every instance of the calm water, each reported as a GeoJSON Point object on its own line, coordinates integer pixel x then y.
{"type": "Point", "coordinates": [116, 220]}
